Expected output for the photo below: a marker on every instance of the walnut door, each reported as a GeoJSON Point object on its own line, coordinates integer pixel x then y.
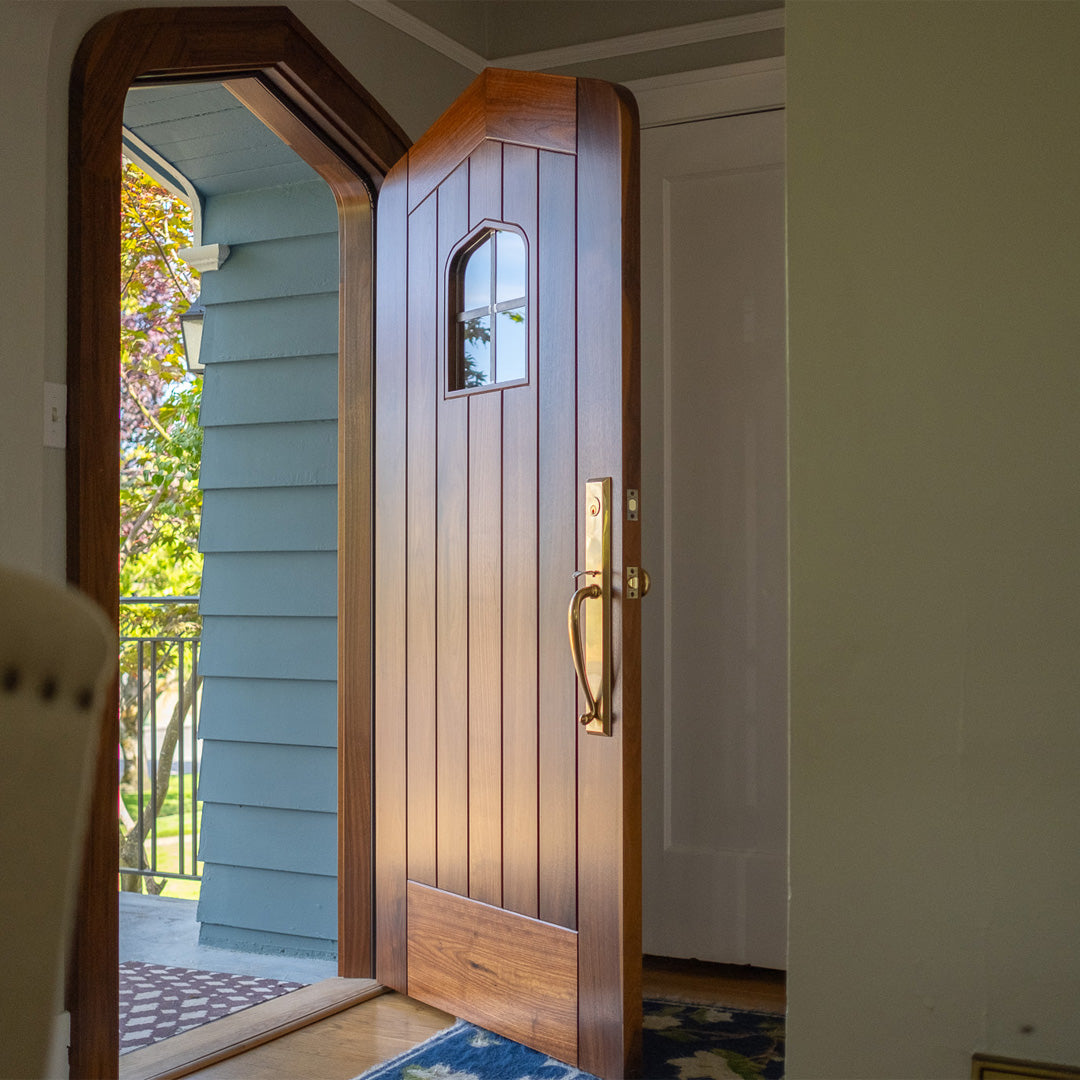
{"type": "Point", "coordinates": [507, 836]}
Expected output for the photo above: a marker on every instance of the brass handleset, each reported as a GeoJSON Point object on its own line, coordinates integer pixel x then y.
{"type": "Point", "coordinates": [591, 652]}
{"type": "Point", "coordinates": [586, 592]}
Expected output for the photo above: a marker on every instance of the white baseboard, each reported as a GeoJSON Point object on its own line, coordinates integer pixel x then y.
{"type": "Point", "coordinates": [57, 1068]}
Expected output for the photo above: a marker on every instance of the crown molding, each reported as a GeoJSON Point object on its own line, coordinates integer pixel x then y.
{"type": "Point", "coordinates": [546, 59]}
{"type": "Point", "coordinates": [424, 33]}
{"type": "Point", "coordinates": [650, 41]}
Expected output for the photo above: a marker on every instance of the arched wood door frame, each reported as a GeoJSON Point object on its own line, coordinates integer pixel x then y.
{"type": "Point", "coordinates": [272, 63]}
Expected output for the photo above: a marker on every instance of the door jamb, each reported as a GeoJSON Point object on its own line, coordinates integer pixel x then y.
{"type": "Point", "coordinates": [688, 96]}
{"type": "Point", "coordinates": [291, 82]}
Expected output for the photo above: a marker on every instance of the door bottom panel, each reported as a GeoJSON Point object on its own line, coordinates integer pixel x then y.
{"type": "Point", "coordinates": [494, 968]}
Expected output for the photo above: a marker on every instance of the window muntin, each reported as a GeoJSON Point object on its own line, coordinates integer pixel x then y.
{"type": "Point", "coordinates": [489, 332]}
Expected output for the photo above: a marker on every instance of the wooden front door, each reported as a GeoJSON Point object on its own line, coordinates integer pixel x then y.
{"type": "Point", "coordinates": [507, 835]}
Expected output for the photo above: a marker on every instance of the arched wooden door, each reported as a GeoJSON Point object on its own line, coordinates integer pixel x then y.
{"type": "Point", "coordinates": [507, 835]}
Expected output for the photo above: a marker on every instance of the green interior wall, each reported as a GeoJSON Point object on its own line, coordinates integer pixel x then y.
{"type": "Point", "coordinates": [933, 227]}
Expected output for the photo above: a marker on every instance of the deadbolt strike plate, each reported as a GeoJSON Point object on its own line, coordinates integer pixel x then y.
{"type": "Point", "coordinates": [598, 611]}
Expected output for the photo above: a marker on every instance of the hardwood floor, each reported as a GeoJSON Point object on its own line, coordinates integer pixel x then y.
{"type": "Point", "coordinates": [714, 984]}
{"type": "Point", "coordinates": [345, 1044]}
{"type": "Point", "coordinates": [239, 1033]}
{"type": "Point", "coordinates": [339, 1047]}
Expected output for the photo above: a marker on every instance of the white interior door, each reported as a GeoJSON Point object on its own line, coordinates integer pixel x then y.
{"type": "Point", "coordinates": [714, 515]}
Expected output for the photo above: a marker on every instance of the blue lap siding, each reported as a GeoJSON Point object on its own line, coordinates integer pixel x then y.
{"type": "Point", "coordinates": [268, 778]}
{"type": "Point", "coordinates": [269, 595]}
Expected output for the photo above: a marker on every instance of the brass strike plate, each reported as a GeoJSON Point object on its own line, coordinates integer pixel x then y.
{"type": "Point", "coordinates": [597, 612]}
{"type": "Point", "coordinates": [637, 582]}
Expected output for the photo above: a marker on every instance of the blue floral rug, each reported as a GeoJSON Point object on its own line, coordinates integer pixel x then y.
{"type": "Point", "coordinates": [681, 1042]}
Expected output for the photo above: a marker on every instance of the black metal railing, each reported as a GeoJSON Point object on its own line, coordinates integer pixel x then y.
{"type": "Point", "coordinates": [159, 754]}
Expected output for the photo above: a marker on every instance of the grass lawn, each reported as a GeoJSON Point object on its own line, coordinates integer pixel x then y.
{"type": "Point", "coordinates": [168, 836]}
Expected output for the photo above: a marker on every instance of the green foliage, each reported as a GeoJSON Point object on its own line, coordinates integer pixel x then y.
{"type": "Point", "coordinates": [168, 836]}
{"type": "Point", "coordinates": [476, 332]}
{"type": "Point", "coordinates": [476, 339]}
{"type": "Point", "coordinates": [169, 811]}
{"type": "Point", "coordinates": [160, 500]}
{"type": "Point", "coordinates": [160, 437]}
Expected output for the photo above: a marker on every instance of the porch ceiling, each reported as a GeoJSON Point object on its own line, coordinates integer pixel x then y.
{"type": "Point", "coordinates": [211, 139]}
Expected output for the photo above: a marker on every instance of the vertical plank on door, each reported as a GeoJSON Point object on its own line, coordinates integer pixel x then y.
{"type": "Point", "coordinates": [485, 647]}
{"type": "Point", "coordinates": [557, 503]}
{"type": "Point", "coordinates": [485, 586]}
{"type": "Point", "coordinates": [389, 649]}
{"type": "Point", "coordinates": [485, 182]}
{"type": "Point", "coordinates": [452, 561]}
{"type": "Point", "coordinates": [609, 769]}
{"type": "Point", "coordinates": [422, 387]}
{"type": "Point", "coordinates": [520, 734]}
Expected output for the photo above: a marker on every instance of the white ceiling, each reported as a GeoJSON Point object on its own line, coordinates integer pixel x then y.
{"type": "Point", "coordinates": [498, 28]}
{"type": "Point", "coordinates": [620, 40]}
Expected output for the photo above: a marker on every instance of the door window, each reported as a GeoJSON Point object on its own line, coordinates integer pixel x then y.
{"type": "Point", "coordinates": [488, 332]}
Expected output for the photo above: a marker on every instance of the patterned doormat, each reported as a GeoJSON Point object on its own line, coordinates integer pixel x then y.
{"type": "Point", "coordinates": [157, 1001]}
{"type": "Point", "coordinates": [681, 1042]}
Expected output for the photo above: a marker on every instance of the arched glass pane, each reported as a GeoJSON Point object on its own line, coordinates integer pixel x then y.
{"type": "Point", "coordinates": [476, 352]}
{"type": "Point", "coordinates": [511, 344]}
{"type": "Point", "coordinates": [489, 286]}
{"type": "Point", "coordinates": [477, 286]}
{"type": "Point", "coordinates": [511, 273]}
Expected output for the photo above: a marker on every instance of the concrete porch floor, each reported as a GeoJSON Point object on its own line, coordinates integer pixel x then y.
{"type": "Point", "coordinates": [163, 930]}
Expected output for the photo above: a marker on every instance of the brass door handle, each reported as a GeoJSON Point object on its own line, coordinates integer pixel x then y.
{"type": "Point", "coordinates": [573, 621]}
{"type": "Point", "coordinates": [591, 645]}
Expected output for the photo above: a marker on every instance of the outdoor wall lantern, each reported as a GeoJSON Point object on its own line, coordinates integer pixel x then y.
{"type": "Point", "coordinates": [191, 326]}
{"type": "Point", "coordinates": [205, 258]}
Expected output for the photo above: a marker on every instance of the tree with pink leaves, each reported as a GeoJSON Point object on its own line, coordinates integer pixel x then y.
{"type": "Point", "coordinates": [160, 450]}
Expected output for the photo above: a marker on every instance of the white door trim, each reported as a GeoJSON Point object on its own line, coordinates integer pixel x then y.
{"type": "Point", "coordinates": [753, 86]}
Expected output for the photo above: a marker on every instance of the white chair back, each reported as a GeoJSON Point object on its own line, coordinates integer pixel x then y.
{"type": "Point", "coordinates": [57, 652]}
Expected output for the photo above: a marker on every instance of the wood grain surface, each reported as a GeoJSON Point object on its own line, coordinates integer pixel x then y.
{"type": "Point", "coordinates": [485, 647]}
{"type": "Point", "coordinates": [609, 770]}
{"type": "Point", "coordinates": [390, 585]}
{"type": "Point", "coordinates": [243, 1031]}
{"type": "Point", "coordinates": [501, 105]}
{"type": "Point", "coordinates": [495, 968]}
{"type": "Point", "coordinates": [512, 811]}
{"type": "Point", "coordinates": [519, 579]}
{"type": "Point", "coordinates": [339, 1047]}
{"type": "Point", "coordinates": [420, 486]}
{"type": "Point", "coordinates": [453, 574]}
{"type": "Point", "coordinates": [557, 541]}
